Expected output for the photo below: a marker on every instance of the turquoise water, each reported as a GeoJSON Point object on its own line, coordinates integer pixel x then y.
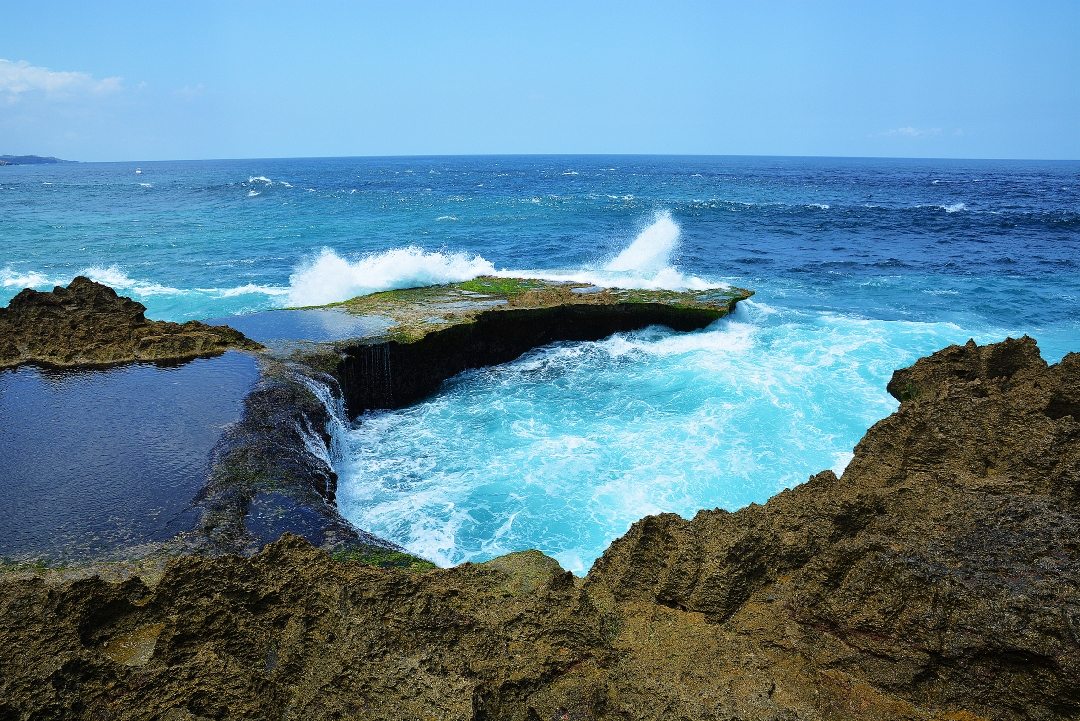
{"type": "Point", "coordinates": [860, 266]}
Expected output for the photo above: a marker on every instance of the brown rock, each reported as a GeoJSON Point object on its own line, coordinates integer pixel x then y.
{"type": "Point", "coordinates": [936, 579]}
{"type": "Point", "coordinates": [89, 324]}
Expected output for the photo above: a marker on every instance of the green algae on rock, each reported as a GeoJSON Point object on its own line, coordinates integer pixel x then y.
{"type": "Point", "coordinates": [416, 312]}
{"type": "Point", "coordinates": [87, 323]}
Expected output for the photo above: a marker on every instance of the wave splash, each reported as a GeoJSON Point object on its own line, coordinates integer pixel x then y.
{"type": "Point", "coordinates": [330, 278]}
{"type": "Point", "coordinates": [651, 251]}
{"type": "Point", "coordinates": [647, 263]}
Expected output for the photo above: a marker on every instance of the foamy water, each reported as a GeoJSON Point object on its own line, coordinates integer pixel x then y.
{"type": "Point", "coordinates": [860, 266]}
{"type": "Point", "coordinates": [330, 278]}
{"type": "Point", "coordinates": [564, 448]}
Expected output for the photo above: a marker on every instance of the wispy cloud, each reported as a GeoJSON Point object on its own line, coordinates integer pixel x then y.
{"type": "Point", "coordinates": [18, 79]}
{"type": "Point", "coordinates": [189, 92]}
{"type": "Point", "coordinates": [910, 132]}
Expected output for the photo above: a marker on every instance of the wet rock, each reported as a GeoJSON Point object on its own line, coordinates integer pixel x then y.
{"type": "Point", "coordinates": [87, 323]}
{"type": "Point", "coordinates": [935, 579]}
{"type": "Point", "coordinates": [941, 568]}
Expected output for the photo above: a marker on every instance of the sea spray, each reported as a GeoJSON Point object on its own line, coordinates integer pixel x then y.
{"type": "Point", "coordinates": [329, 278]}
{"type": "Point", "coordinates": [564, 448]}
{"type": "Point", "coordinates": [651, 251]}
{"type": "Point", "coordinates": [647, 263]}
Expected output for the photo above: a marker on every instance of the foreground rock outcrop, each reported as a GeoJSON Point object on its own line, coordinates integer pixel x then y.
{"type": "Point", "coordinates": [87, 323]}
{"type": "Point", "coordinates": [936, 579]}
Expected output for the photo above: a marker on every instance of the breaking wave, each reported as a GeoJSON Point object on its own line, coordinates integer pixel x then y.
{"type": "Point", "coordinates": [330, 278]}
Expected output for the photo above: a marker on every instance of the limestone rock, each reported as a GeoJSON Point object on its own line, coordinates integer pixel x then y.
{"type": "Point", "coordinates": [87, 323]}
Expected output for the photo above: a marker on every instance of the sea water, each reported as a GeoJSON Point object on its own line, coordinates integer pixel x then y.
{"type": "Point", "coordinates": [860, 267]}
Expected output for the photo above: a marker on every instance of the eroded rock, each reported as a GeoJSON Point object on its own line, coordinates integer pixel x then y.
{"type": "Point", "coordinates": [87, 323]}
{"type": "Point", "coordinates": [936, 579]}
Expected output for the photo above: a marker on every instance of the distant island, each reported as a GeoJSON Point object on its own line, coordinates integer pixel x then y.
{"type": "Point", "coordinates": [31, 160]}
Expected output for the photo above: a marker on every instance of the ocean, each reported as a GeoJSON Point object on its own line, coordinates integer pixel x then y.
{"type": "Point", "coordinates": [860, 266]}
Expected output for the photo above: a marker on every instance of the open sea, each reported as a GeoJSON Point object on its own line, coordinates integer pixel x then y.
{"type": "Point", "coordinates": [860, 267]}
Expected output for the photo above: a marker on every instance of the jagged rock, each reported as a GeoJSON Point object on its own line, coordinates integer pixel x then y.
{"type": "Point", "coordinates": [292, 634]}
{"type": "Point", "coordinates": [87, 323]}
{"type": "Point", "coordinates": [941, 568]}
{"type": "Point", "coordinates": [936, 579]}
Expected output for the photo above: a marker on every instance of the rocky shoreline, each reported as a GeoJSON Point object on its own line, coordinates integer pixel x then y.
{"type": "Point", "coordinates": [935, 579]}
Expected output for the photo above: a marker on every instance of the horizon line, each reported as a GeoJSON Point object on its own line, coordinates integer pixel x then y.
{"type": "Point", "coordinates": [540, 155]}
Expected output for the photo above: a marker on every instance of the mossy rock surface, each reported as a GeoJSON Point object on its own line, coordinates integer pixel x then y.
{"type": "Point", "coordinates": [416, 312]}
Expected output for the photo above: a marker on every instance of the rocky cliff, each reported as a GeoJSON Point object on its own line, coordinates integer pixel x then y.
{"type": "Point", "coordinates": [936, 579]}
{"type": "Point", "coordinates": [87, 323]}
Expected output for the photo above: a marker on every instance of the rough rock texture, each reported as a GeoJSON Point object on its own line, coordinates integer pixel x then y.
{"type": "Point", "coordinates": [937, 579]}
{"type": "Point", "coordinates": [294, 634]}
{"type": "Point", "coordinates": [942, 568]}
{"type": "Point", "coordinates": [89, 324]}
{"type": "Point", "coordinates": [270, 473]}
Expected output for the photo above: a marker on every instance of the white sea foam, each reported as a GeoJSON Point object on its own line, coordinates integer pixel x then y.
{"type": "Point", "coordinates": [248, 289]}
{"type": "Point", "coordinates": [954, 208]}
{"type": "Point", "coordinates": [116, 278]}
{"type": "Point", "coordinates": [819, 206]}
{"type": "Point", "coordinates": [259, 179]}
{"type": "Point", "coordinates": [562, 449]}
{"type": "Point", "coordinates": [252, 193]}
{"type": "Point", "coordinates": [647, 263]}
{"type": "Point", "coordinates": [146, 185]}
{"type": "Point", "coordinates": [30, 279]}
{"type": "Point", "coordinates": [329, 277]}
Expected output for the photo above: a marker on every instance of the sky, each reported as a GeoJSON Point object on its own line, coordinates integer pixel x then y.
{"type": "Point", "coordinates": [167, 80]}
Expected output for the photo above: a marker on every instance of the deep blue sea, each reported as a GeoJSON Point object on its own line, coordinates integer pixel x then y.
{"type": "Point", "coordinates": [860, 266]}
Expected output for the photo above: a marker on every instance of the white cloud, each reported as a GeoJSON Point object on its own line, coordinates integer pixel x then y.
{"type": "Point", "coordinates": [22, 77]}
{"type": "Point", "coordinates": [910, 132]}
{"type": "Point", "coordinates": [189, 92]}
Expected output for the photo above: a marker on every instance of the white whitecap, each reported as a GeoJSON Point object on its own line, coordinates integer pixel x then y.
{"type": "Point", "coordinates": [30, 279]}
{"type": "Point", "coordinates": [117, 279]}
{"type": "Point", "coordinates": [954, 208]}
{"type": "Point", "coordinates": [252, 288]}
{"type": "Point", "coordinates": [329, 278]}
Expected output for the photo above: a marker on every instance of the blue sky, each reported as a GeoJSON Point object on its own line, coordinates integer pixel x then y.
{"type": "Point", "coordinates": [146, 81]}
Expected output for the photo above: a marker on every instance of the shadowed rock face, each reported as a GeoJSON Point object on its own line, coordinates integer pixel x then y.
{"type": "Point", "coordinates": [89, 324]}
{"type": "Point", "coordinates": [937, 579]}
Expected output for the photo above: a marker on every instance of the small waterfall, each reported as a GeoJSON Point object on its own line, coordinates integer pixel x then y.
{"type": "Point", "coordinates": [336, 425]}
